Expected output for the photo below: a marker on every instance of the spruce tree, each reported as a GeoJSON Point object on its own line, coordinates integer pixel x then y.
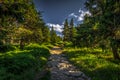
{"type": "Point", "coordinates": [53, 36]}
{"type": "Point", "coordinates": [66, 31]}
{"type": "Point", "coordinates": [71, 30]}
{"type": "Point", "coordinates": [21, 13]}
{"type": "Point", "coordinates": [46, 34]}
{"type": "Point", "coordinates": [105, 18]}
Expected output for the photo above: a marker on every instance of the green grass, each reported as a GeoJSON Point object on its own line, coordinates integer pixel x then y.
{"type": "Point", "coordinates": [50, 46]}
{"type": "Point", "coordinates": [97, 65]}
{"type": "Point", "coordinates": [23, 64]}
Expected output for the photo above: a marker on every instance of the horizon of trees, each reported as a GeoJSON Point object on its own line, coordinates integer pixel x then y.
{"type": "Point", "coordinates": [20, 23]}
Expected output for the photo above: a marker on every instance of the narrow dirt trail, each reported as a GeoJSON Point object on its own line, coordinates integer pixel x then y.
{"type": "Point", "coordinates": [61, 69]}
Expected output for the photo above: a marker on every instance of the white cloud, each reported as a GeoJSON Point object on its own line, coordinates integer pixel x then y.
{"type": "Point", "coordinates": [77, 16]}
{"type": "Point", "coordinates": [73, 15]}
{"type": "Point", "coordinates": [80, 18]}
{"type": "Point", "coordinates": [81, 13]}
{"type": "Point", "coordinates": [56, 27]}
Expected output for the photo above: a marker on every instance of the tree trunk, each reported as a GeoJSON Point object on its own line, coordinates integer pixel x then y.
{"type": "Point", "coordinates": [114, 46]}
{"type": "Point", "coordinates": [115, 53]}
{"type": "Point", "coordinates": [21, 43]}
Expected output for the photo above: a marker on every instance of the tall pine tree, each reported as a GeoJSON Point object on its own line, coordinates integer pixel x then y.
{"type": "Point", "coordinates": [17, 15]}
{"type": "Point", "coordinates": [105, 15]}
{"type": "Point", "coordinates": [66, 31]}
{"type": "Point", "coordinates": [53, 36]}
{"type": "Point", "coordinates": [72, 31]}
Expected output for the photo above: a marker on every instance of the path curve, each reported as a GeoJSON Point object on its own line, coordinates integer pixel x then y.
{"type": "Point", "coordinates": [61, 69]}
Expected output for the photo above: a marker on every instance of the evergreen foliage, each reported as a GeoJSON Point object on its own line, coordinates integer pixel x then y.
{"type": "Point", "coordinates": [101, 28]}
{"type": "Point", "coordinates": [69, 31]}
{"type": "Point", "coordinates": [21, 23]}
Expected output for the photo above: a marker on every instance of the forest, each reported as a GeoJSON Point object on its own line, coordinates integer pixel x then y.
{"type": "Point", "coordinates": [92, 46]}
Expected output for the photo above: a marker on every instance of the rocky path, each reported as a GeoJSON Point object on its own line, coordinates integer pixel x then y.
{"type": "Point", "coordinates": [61, 69]}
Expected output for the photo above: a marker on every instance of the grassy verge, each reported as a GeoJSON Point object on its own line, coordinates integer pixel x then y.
{"type": "Point", "coordinates": [97, 65]}
{"type": "Point", "coordinates": [23, 64]}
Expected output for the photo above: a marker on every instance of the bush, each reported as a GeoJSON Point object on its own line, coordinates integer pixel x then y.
{"type": "Point", "coordinates": [2, 73]}
{"type": "Point", "coordinates": [50, 46]}
{"type": "Point", "coordinates": [68, 44]}
{"type": "Point", "coordinates": [37, 50]}
{"type": "Point", "coordinates": [5, 48]}
{"type": "Point", "coordinates": [32, 46]}
{"type": "Point", "coordinates": [1, 43]}
{"type": "Point", "coordinates": [23, 65]}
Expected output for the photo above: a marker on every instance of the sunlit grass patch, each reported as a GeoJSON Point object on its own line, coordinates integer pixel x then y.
{"type": "Point", "coordinates": [95, 63]}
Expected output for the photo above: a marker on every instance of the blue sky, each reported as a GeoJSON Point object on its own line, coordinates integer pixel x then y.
{"type": "Point", "coordinates": [54, 12]}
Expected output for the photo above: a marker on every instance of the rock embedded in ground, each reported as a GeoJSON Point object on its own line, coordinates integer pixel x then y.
{"type": "Point", "coordinates": [61, 69]}
{"type": "Point", "coordinates": [74, 73]}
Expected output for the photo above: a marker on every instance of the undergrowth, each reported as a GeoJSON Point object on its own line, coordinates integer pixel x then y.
{"type": "Point", "coordinates": [23, 64]}
{"type": "Point", "coordinates": [95, 63]}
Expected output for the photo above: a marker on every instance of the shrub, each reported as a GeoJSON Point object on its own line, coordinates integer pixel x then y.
{"type": "Point", "coordinates": [5, 48]}
{"type": "Point", "coordinates": [23, 65]}
{"type": "Point", "coordinates": [68, 44]}
{"type": "Point", "coordinates": [60, 43]}
{"type": "Point", "coordinates": [32, 46]}
{"type": "Point", "coordinates": [50, 46]}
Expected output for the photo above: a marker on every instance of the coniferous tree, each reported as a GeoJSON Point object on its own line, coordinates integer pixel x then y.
{"type": "Point", "coordinates": [21, 13]}
{"type": "Point", "coordinates": [66, 31]}
{"type": "Point", "coordinates": [53, 36]}
{"type": "Point", "coordinates": [72, 30]}
{"type": "Point", "coordinates": [46, 34]}
{"type": "Point", "coordinates": [105, 22]}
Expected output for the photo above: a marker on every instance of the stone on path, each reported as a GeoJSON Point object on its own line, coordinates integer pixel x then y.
{"type": "Point", "coordinates": [61, 69]}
